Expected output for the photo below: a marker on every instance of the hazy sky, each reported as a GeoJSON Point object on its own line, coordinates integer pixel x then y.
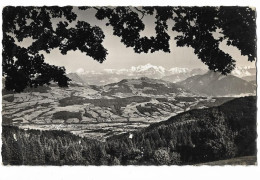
{"type": "Point", "coordinates": [121, 57]}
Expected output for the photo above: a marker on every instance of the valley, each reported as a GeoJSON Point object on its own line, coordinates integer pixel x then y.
{"type": "Point", "coordinates": [133, 121]}
{"type": "Point", "coordinates": [220, 135]}
{"type": "Point", "coordinates": [104, 111]}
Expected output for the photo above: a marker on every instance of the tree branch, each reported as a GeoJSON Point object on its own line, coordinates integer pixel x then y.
{"type": "Point", "coordinates": [142, 12]}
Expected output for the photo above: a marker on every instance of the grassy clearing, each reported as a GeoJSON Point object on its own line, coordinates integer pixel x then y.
{"type": "Point", "coordinates": [246, 160]}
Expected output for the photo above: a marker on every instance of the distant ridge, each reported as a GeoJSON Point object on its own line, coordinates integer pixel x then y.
{"type": "Point", "coordinates": [174, 74]}
{"type": "Point", "coordinates": [143, 86]}
{"type": "Point", "coordinates": [76, 79]}
{"type": "Point", "coordinates": [108, 76]}
{"type": "Point", "coordinates": [216, 84]}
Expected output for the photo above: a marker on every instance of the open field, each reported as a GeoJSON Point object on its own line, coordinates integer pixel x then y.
{"type": "Point", "coordinates": [246, 160]}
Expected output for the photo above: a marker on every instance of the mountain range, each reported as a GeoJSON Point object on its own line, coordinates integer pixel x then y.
{"type": "Point", "coordinates": [175, 74]}
{"type": "Point", "coordinates": [150, 79]}
{"type": "Point", "coordinates": [108, 76]}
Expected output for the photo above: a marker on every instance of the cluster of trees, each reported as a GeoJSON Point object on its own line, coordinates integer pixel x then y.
{"type": "Point", "coordinates": [67, 115]}
{"type": "Point", "coordinates": [192, 137]}
{"type": "Point", "coordinates": [148, 108]}
{"type": "Point", "coordinates": [122, 88]}
{"type": "Point", "coordinates": [34, 147]}
{"type": "Point", "coordinates": [25, 67]}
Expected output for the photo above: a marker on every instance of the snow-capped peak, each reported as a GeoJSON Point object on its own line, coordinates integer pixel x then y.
{"type": "Point", "coordinates": [241, 71]}
{"type": "Point", "coordinates": [177, 70]}
{"type": "Point", "coordinates": [146, 67]}
{"type": "Point", "coordinates": [80, 71]}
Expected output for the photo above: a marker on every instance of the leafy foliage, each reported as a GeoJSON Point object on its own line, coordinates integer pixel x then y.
{"type": "Point", "coordinates": [127, 24]}
{"type": "Point", "coordinates": [198, 23]}
{"type": "Point", "coordinates": [196, 26]}
{"type": "Point", "coordinates": [25, 66]}
{"type": "Point", "coordinates": [162, 157]}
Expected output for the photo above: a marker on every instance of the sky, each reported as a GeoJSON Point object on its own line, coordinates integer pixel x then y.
{"type": "Point", "coordinates": [121, 57]}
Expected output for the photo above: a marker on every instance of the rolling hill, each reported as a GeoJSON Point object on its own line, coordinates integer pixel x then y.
{"type": "Point", "coordinates": [144, 86]}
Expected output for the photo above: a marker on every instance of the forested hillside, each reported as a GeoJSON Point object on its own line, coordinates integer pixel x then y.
{"type": "Point", "coordinates": [191, 137]}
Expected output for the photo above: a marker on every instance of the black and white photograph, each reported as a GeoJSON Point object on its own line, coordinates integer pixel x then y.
{"type": "Point", "coordinates": [129, 86]}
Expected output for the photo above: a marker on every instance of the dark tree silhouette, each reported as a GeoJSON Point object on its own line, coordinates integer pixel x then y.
{"type": "Point", "coordinates": [196, 25]}
{"type": "Point", "coordinates": [23, 67]}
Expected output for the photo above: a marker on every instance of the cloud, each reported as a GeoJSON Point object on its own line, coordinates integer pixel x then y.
{"type": "Point", "coordinates": [80, 71]}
